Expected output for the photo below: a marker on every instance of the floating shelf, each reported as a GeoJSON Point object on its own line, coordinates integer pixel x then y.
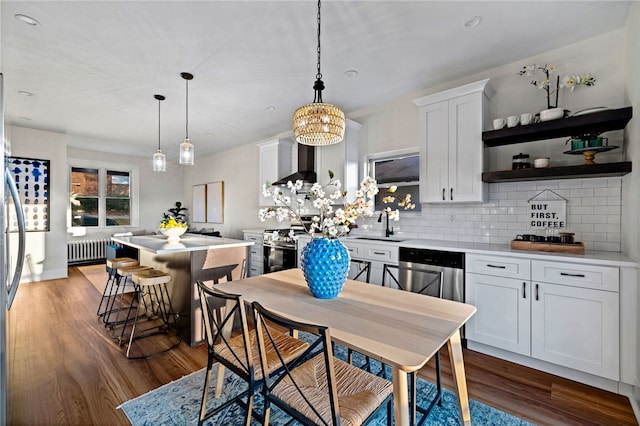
{"type": "Point", "coordinates": [565, 172]}
{"type": "Point", "coordinates": [594, 123]}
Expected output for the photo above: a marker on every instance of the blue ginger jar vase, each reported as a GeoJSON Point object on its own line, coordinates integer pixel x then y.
{"type": "Point", "coordinates": [325, 264]}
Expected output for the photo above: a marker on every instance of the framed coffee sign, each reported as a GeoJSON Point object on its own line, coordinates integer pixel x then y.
{"type": "Point", "coordinates": [547, 210]}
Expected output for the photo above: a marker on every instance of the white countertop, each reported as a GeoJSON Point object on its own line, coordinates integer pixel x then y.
{"type": "Point", "coordinates": [188, 242]}
{"type": "Point", "coordinates": [253, 231]}
{"type": "Point", "coordinates": [590, 256]}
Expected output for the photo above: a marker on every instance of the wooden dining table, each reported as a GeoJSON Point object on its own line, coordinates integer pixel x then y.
{"type": "Point", "coordinates": [401, 329]}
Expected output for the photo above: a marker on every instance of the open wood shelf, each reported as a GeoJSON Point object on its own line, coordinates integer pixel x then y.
{"type": "Point", "coordinates": [564, 172]}
{"type": "Point", "coordinates": [588, 124]}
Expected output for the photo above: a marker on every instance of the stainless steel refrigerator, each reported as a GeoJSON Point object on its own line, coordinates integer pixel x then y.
{"type": "Point", "coordinates": [11, 259]}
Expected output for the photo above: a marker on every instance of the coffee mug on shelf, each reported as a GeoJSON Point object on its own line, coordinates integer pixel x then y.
{"type": "Point", "coordinates": [513, 120]}
{"type": "Point", "coordinates": [526, 118]}
{"type": "Point", "coordinates": [499, 123]}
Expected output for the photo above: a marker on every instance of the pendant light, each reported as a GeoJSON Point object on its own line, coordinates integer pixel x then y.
{"type": "Point", "coordinates": [186, 149]}
{"type": "Point", "coordinates": [159, 161]}
{"type": "Point", "coordinates": [318, 123]}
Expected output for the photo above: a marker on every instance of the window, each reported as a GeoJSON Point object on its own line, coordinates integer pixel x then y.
{"type": "Point", "coordinates": [401, 169]}
{"type": "Point", "coordinates": [100, 196]}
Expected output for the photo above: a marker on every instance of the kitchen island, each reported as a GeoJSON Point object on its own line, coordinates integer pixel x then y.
{"type": "Point", "coordinates": [193, 258]}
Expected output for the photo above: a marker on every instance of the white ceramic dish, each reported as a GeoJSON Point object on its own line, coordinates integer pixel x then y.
{"type": "Point", "coordinates": [589, 111]}
{"type": "Point", "coordinates": [551, 114]}
{"type": "Point", "coordinates": [541, 162]}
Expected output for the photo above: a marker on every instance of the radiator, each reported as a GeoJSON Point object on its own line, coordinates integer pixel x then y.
{"type": "Point", "coordinates": [82, 251]}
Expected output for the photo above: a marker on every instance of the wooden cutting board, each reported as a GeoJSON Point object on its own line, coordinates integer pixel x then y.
{"type": "Point", "coordinates": [575, 248]}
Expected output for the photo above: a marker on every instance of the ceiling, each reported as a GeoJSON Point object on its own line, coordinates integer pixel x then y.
{"type": "Point", "coordinates": [94, 66]}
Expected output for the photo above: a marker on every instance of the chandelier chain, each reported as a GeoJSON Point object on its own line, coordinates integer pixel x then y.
{"type": "Point", "coordinates": [319, 74]}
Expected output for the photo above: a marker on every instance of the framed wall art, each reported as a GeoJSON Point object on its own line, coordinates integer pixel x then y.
{"type": "Point", "coordinates": [199, 212]}
{"type": "Point", "coordinates": [32, 180]}
{"type": "Point", "coordinates": [215, 202]}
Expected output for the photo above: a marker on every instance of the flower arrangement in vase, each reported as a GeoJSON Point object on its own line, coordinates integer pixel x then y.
{"type": "Point", "coordinates": [571, 81]}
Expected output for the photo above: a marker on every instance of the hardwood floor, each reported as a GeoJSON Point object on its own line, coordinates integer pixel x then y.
{"type": "Point", "coordinates": [65, 369]}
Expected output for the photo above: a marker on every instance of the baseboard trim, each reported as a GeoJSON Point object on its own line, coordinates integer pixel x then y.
{"type": "Point", "coordinates": [53, 274]}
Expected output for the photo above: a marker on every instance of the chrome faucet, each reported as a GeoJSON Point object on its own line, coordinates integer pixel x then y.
{"type": "Point", "coordinates": [387, 232]}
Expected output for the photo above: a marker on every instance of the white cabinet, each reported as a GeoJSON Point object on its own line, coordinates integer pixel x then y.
{"type": "Point", "coordinates": [302, 241]}
{"type": "Point", "coordinates": [501, 286]}
{"type": "Point", "coordinates": [571, 323]}
{"type": "Point", "coordinates": [377, 253]}
{"type": "Point", "coordinates": [255, 264]}
{"type": "Point", "coordinates": [451, 147]}
{"type": "Point", "coordinates": [275, 163]}
{"type": "Point", "coordinates": [563, 313]}
{"type": "Point", "coordinates": [342, 159]}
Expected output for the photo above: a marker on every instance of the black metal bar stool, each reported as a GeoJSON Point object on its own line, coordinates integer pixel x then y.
{"type": "Point", "coordinates": [125, 277]}
{"type": "Point", "coordinates": [111, 288]}
{"type": "Point", "coordinates": [157, 316]}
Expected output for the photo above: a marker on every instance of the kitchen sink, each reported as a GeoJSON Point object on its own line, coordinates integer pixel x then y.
{"type": "Point", "coordinates": [390, 239]}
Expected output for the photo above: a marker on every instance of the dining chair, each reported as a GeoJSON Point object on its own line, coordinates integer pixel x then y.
{"type": "Point", "coordinates": [316, 388]}
{"type": "Point", "coordinates": [236, 351]}
{"type": "Point", "coordinates": [363, 275]}
{"type": "Point", "coordinates": [431, 285]}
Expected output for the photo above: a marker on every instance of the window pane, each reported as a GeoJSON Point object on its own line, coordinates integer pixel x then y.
{"type": "Point", "coordinates": [404, 169]}
{"type": "Point", "coordinates": [117, 184]}
{"type": "Point", "coordinates": [401, 192]}
{"type": "Point", "coordinates": [84, 182]}
{"type": "Point", "coordinates": [84, 211]}
{"type": "Point", "coordinates": [118, 211]}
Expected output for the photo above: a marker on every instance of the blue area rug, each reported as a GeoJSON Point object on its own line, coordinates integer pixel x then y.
{"type": "Point", "coordinates": [178, 403]}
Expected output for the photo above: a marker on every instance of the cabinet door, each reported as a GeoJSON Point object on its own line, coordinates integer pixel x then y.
{"type": "Point", "coordinates": [275, 163]}
{"type": "Point", "coordinates": [434, 155]}
{"type": "Point", "coordinates": [577, 328]}
{"type": "Point", "coordinates": [504, 309]}
{"type": "Point", "coordinates": [465, 158]}
{"type": "Point", "coordinates": [342, 159]}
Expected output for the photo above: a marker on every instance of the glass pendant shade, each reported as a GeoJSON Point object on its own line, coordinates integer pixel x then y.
{"type": "Point", "coordinates": [187, 153]}
{"type": "Point", "coordinates": [318, 123]}
{"type": "Point", "coordinates": [159, 162]}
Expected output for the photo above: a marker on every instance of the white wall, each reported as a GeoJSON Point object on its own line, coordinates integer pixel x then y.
{"type": "Point", "coordinates": [46, 251]}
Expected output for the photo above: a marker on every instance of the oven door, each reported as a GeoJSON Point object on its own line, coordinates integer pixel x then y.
{"type": "Point", "coordinates": [278, 258]}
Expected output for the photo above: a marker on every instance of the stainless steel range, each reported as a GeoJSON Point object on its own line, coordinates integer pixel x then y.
{"type": "Point", "coordinates": [279, 250]}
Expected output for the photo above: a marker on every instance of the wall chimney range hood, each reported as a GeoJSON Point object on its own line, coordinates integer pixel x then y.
{"type": "Point", "coordinates": [306, 166]}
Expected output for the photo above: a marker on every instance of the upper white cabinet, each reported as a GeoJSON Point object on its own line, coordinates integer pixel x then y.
{"type": "Point", "coordinates": [342, 159]}
{"type": "Point", "coordinates": [451, 148]}
{"type": "Point", "coordinates": [275, 163]}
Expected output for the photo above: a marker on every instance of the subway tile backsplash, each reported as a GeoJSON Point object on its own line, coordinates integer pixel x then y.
{"type": "Point", "coordinates": [593, 214]}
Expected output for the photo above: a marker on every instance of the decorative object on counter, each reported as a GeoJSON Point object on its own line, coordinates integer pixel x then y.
{"type": "Point", "coordinates": [521, 161]}
{"type": "Point", "coordinates": [541, 162]}
{"type": "Point", "coordinates": [513, 120]}
{"type": "Point", "coordinates": [159, 160]}
{"type": "Point", "coordinates": [526, 118]}
{"type": "Point", "coordinates": [172, 229]}
{"type": "Point", "coordinates": [570, 81]}
{"type": "Point", "coordinates": [570, 248]}
{"type": "Point", "coordinates": [187, 151]}
{"type": "Point", "coordinates": [499, 123]}
{"type": "Point", "coordinates": [318, 123]}
{"type": "Point", "coordinates": [567, 237]}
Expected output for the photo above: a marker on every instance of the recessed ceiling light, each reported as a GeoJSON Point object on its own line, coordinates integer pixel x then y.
{"type": "Point", "coordinates": [472, 22]}
{"type": "Point", "coordinates": [25, 93]}
{"type": "Point", "coordinates": [271, 108]}
{"type": "Point", "coordinates": [351, 73]}
{"type": "Point", "coordinates": [27, 19]}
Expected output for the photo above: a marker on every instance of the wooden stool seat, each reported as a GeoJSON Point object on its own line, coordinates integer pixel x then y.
{"type": "Point", "coordinates": [150, 277]}
{"type": "Point", "coordinates": [128, 271]}
{"type": "Point", "coordinates": [121, 262]}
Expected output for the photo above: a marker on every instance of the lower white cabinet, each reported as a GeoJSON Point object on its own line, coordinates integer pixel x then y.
{"type": "Point", "coordinates": [255, 264]}
{"type": "Point", "coordinates": [563, 313]}
{"type": "Point", "coordinates": [377, 253]}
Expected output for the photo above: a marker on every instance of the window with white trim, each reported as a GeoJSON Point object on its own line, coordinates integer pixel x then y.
{"type": "Point", "coordinates": [101, 195]}
{"type": "Point", "coordinates": [398, 169]}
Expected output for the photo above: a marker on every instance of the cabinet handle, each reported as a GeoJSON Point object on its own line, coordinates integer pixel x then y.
{"type": "Point", "coordinates": [451, 195]}
{"type": "Point", "coordinates": [379, 253]}
{"type": "Point", "coordinates": [443, 194]}
{"type": "Point", "coordinates": [524, 290]}
{"type": "Point", "coordinates": [566, 274]}
{"type": "Point", "coordinates": [537, 294]}
{"type": "Point", "coordinates": [495, 266]}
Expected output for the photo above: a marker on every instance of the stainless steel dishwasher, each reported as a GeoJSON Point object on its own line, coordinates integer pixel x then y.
{"type": "Point", "coordinates": [418, 266]}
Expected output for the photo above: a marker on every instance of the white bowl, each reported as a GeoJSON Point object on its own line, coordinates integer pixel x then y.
{"type": "Point", "coordinates": [541, 162]}
{"type": "Point", "coordinates": [173, 234]}
{"type": "Point", "coordinates": [551, 114]}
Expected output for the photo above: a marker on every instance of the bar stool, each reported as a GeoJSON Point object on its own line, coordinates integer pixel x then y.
{"type": "Point", "coordinates": [125, 275]}
{"type": "Point", "coordinates": [113, 279]}
{"type": "Point", "coordinates": [151, 284]}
